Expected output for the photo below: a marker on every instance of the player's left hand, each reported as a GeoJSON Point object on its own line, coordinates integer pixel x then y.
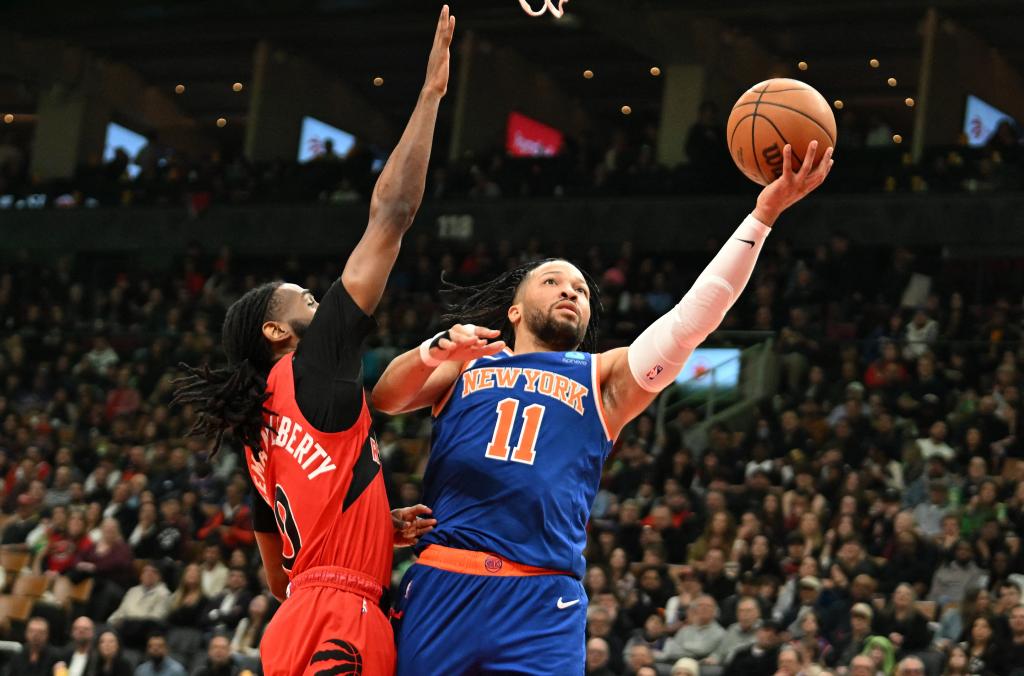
{"type": "Point", "coordinates": [792, 186]}
{"type": "Point", "coordinates": [409, 527]}
{"type": "Point", "coordinates": [440, 57]}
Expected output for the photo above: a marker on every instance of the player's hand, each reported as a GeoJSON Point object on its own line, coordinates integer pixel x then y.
{"type": "Point", "coordinates": [440, 58]}
{"type": "Point", "coordinates": [792, 186]}
{"type": "Point", "coordinates": [408, 525]}
{"type": "Point", "coordinates": [466, 342]}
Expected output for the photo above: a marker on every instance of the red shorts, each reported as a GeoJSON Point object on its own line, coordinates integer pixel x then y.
{"type": "Point", "coordinates": [328, 628]}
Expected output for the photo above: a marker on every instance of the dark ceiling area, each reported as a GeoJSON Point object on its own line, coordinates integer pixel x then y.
{"type": "Point", "coordinates": [209, 46]}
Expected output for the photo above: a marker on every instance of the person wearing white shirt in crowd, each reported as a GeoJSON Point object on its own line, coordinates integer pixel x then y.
{"type": "Point", "coordinates": [935, 443]}
{"type": "Point", "coordinates": [215, 573]}
{"type": "Point", "coordinates": [76, 659]}
{"type": "Point", "coordinates": [741, 634]}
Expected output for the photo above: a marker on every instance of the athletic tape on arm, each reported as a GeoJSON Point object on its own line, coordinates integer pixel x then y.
{"type": "Point", "coordinates": [657, 356]}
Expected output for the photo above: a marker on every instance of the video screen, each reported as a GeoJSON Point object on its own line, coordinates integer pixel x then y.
{"type": "Point", "coordinates": [711, 366]}
{"type": "Point", "coordinates": [981, 120]}
{"type": "Point", "coordinates": [126, 139]}
{"type": "Point", "coordinates": [314, 136]}
{"type": "Point", "coordinates": [527, 137]}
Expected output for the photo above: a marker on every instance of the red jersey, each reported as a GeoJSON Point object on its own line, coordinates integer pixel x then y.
{"type": "Point", "coordinates": [326, 490]}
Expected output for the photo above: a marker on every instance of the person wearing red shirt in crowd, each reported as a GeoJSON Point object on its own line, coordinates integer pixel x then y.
{"type": "Point", "coordinates": [230, 523]}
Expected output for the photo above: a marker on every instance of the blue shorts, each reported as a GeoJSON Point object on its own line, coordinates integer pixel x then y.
{"type": "Point", "coordinates": [456, 623]}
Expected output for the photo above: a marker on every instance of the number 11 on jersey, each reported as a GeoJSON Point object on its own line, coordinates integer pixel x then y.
{"type": "Point", "coordinates": [526, 450]}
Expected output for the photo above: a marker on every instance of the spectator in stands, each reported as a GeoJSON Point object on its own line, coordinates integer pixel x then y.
{"type": "Point", "coordinates": [600, 625]}
{"type": "Point", "coordinates": [246, 641]}
{"type": "Point", "coordinates": [790, 662]}
{"type": "Point", "coordinates": [80, 652]}
{"type": "Point", "coordinates": [929, 515]}
{"type": "Point", "coordinates": [108, 660]}
{"type": "Point", "coordinates": [701, 635]}
{"type": "Point", "coordinates": [144, 607]}
{"type": "Point", "coordinates": [903, 624]}
{"type": "Point", "coordinates": [953, 578]}
{"type": "Point", "coordinates": [984, 654]}
{"type": "Point", "coordinates": [224, 611]}
{"type": "Point", "coordinates": [187, 603]}
{"type": "Point", "coordinates": [1015, 645]}
{"type": "Point", "coordinates": [158, 662]}
{"type": "Point", "coordinates": [759, 658]}
{"type": "Point", "coordinates": [854, 643]}
{"type": "Point", "coordinates": [862, 665]}
{"type": "Point", "coordinates": [922, 332]}
{"type": "Point", "coordinates": [218, 659]}
{"type": "Point", "coordinates": [685, 666]}
{"type": "Point", "coordinates": [214, 572]}
{"type": "Point", "coordinates": [597, 658]}
{"type": "Point", "coordinates": [231, 522]}
{"type": "Point", "coordinates": [38, 657]}
{"type": "Point", "coordinates": [957, 662]}
{"type": "Point", "coordinates": [741, 634]}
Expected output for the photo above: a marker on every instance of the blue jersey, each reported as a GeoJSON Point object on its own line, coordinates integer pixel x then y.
{"type": "Point", "coordinates": [515, 463]}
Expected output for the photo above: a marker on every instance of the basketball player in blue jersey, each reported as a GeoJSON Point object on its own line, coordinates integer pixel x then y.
{"type": "Point", "coordinates": [522, 427]}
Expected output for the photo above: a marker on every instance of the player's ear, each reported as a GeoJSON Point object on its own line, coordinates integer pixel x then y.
{"type": "Point", "coordinates": [276, 331]}
{"type": "Point", "coordinates": [515, 314]}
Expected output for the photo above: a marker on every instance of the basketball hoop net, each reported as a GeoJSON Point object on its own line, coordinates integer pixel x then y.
{"type": "Point", "coordinates": [549, 6]}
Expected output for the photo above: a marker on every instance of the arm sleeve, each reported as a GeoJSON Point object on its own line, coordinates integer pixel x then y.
{"type": "Point", "coordinates": [328, 362]}
{"type": "Point", "coordinates": [262, 515]}
{"type": "Point", "coordinates": [657, 356]}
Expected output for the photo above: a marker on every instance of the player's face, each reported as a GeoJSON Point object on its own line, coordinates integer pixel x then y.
{"type": "Point", "coordinates": [554, 305]}
{"type": "Point", "coordinates": [296, 309]}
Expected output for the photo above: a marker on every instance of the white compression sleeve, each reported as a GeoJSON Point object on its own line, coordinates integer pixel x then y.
{"type": "Point", "coordinates": [657, 356]}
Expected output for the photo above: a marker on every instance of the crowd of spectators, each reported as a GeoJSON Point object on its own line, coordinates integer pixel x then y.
{"type": "Point", "coordinates": [866, 517]}
{"type": "Point", "coordinates": [624, 166]}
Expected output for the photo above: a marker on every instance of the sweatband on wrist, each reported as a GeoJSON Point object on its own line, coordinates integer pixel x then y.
{"type": "Point", "coordinates": [429, 343]}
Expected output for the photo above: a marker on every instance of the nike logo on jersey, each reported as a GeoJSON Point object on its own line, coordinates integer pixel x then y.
{"type": "Point", "coordinates": [747, 241]}
{"type": "Point", "coordinates": [554, 385]}
{"type": "Point", "coordinates": [562, 605]}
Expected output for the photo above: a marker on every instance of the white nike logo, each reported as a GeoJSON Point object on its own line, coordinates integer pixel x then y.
{"type": "Point", "coordinates": [562, 605]}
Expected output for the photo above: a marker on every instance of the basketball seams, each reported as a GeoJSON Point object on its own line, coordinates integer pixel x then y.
{"type": "Point", "coordinates": [753, 144]}
{"type": "Point", "coordinates": [791, 109]}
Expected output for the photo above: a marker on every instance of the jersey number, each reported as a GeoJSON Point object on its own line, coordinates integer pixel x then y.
{"type": "Point", "coordinates": [526, 450]}
{"type": "Point", "coordinates": [291, 541]}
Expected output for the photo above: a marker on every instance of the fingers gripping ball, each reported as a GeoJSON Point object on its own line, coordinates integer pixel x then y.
{"type": "Point", "coordinates": [770, 115]}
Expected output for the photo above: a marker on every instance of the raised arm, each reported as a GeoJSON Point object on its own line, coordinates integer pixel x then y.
{"type": "Point", "coordinates": [399, 190]}
{"type": "Point", "coordinates": [632, 377]}
{"type": "Point", "coordinates": [422, 376]}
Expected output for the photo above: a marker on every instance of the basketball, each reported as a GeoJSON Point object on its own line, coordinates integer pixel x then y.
{"type": "Point", "coordinates": [771, 114]}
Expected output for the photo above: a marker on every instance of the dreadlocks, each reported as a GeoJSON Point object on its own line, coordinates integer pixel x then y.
{"type": "Point", "coordinates": [487, 304]}
{"type": "Point", "coordinates": [231, 399]}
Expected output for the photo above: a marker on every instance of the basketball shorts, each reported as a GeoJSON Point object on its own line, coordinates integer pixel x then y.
{"type": "Point", "coordinates": [328, 631]}
{"type": "Point", "coordinates": [488, 619]}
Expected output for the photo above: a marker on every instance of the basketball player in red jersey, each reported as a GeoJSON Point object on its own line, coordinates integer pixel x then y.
{"type": "Point", "coordinates": [293, 395]}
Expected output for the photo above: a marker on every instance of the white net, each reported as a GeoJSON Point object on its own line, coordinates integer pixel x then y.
{"type": "Point", "coordinates": [556, 10]}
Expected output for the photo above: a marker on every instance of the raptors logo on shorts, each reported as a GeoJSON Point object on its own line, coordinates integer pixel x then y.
{"type": "Point", "coordinates": [335, 657]}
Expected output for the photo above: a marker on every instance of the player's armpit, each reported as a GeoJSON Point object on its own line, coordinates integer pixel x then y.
{"type": "Point", "coordinates": [270, 551]}
{"type": "Point", "coordinates": [408, 384]}
{"type": "Point", "coordinates": [622, 398]}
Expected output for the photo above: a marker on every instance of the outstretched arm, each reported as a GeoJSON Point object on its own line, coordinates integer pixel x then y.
{"type": "Point", "coordinates": [632, 377]}
{"type": "Point", "coordinates": [422, 376]}
{"type": "Point", "coordinates": [399, 190]}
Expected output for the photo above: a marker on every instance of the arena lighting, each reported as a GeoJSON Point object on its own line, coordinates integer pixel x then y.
{"type": "Point", "coordinates": [802, 65]}
{"type": "Point", "coordinates": [588, 74]}
{"type": "Point", "coordinates": [892, 82]}
{"type": "Point", "coordinates": [909, 101]}
{"type": "Point", "coordinates": [874, 63]}
{"type": "Point", "coordinates": [626, 110]}
{"type": "Point", "coordinates": [221, 122]}
{"type": "Point", "coordinates": [179, 89]}
{"type": "Point", "coordinates": [237, 87]}
{"type": "Point", "coordinates": [896, 138]}
{"type": "Point", "coordinates": [838, 104]}
{"type": "Point", "coordinates": [655, 71]}
{"type": "Point", "coordinates": [378, 81]}
{"type": "Point", "coordinates": [8, 118]}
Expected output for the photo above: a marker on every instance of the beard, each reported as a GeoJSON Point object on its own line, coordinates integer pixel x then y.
{"type": "Point", "coordinates": [298, 327]}
{"type": "Point", "coordinates": [559, 334]}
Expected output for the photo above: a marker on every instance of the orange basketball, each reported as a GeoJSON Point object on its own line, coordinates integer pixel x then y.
{"type": "Point", "coordinates": [770, 115]}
